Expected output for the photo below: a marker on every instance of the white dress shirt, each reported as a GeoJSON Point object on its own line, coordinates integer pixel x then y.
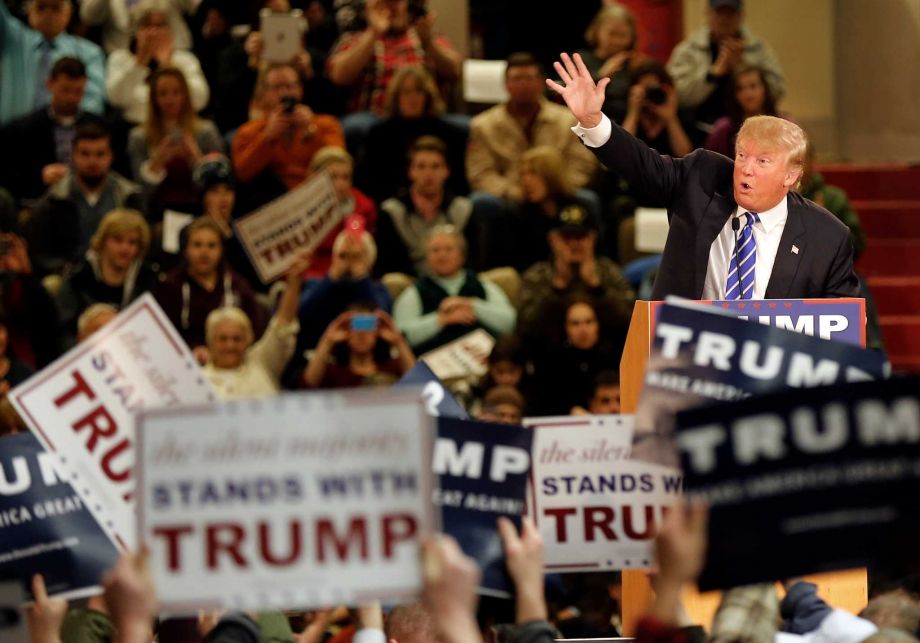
{"type": "Point", "coordinates": [767, 233]}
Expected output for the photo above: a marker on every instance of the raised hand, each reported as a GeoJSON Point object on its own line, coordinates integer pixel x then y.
{"type": "Point", "coordinates": [46, 615]}
{"type": "Point", "coordinates": [581, 94]}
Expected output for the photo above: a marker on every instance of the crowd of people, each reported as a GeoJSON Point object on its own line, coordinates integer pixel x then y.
{"type": "Point", "coordinates": [453, 219]}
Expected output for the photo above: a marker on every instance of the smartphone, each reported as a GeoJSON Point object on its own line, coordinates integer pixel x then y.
{"type": "Point", "coordinates": [282, 35]}
{"type": "Point", "coordinates": [364, 321]}
{"type": "Point", "coordinates": [355, 225]}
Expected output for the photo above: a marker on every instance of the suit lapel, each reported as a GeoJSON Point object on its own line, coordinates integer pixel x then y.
{"type": "Point", "coordinates": [717, 213]}
{"type": "Point", "coordinates": [788, 254]}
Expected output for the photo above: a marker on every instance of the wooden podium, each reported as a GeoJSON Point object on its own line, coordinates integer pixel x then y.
{"type": "Point", "coordinates": [846, 589]}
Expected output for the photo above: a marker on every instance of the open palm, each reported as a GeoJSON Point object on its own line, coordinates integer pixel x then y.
{"type": "Point", "coordinates": [581, 94]}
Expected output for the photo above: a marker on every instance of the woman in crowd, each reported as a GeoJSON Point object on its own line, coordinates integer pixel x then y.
{"type": "Point", "coordinates": [203, 283]}
{"type": "Point", "coordinates": [165, 149]}
{"type": "Point", "coordinates": [358, 349]}
{"type": "Point", "coordinates": [413, 109]}
{"type": "Point", "coordinates": [358, 211]}
{"type": "Point", "coordinates": [113, 270]}
{"type": "Point", "coordinates": [152, 47]}
{"type": "Point", "coordinates": [547, 192]}
{"type": "Point", "coordinates": [612, 53]}
{"type": "Point", "coordinates": [239, 368]}
{"type": "Point", "coordinates": [751, 97]}
{"type": "Point", "coordinates": [564, 372]}
{"type": "Point", "coordinates": [450, 302]}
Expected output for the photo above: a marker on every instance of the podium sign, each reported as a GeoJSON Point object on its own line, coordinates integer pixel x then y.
{"type": "Point", "coordinates": [843, 320]}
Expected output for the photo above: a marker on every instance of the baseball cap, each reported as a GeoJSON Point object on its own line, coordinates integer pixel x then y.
{"type": "Point", "coordinates": [213, 169]}
{"type": "Point", "coordinates": [574, 220]}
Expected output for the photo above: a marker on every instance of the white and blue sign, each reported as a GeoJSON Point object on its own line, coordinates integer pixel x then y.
{"type": "Point", "coordinates": [44, 526]}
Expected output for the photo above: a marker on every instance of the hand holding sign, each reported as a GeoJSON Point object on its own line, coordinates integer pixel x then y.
{"type": "Point", "coordinates": [46, 614]}
{"type": "Point", "coordinates": [680, 549]}
{"type": "Point", "coordinates": [449, 592]}
{"type": "Point", "coordinates": [524, 558]}
{"type": "Point", "coordinates": [131, 597]}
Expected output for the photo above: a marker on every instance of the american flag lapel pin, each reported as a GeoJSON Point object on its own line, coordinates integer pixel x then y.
{"type": "Point", "coordinates": [795, 250]}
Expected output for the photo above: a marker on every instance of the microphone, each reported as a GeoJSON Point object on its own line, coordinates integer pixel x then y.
{"type": "Point", "coordinates": [736, 224]}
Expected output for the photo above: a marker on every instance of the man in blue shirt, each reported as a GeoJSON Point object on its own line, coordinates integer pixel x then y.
{"type": "Point", "coordinates": [27, 54]}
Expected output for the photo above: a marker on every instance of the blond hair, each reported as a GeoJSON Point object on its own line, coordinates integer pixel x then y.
{"type": "Point", "coordinates": [609, 13]}
{"type": "Point", "coordinates": [547, 162]}
{"type": "Point", "coordinates": [777, 133]}
{"type": "Point", "coordinates": [154, 131]}
{"type": "Point", "coordinates": [330, 154]}
{"type": "Point", "coordinates": [227, 314]}
{"type": "Point", "coordinates": [119, 221]}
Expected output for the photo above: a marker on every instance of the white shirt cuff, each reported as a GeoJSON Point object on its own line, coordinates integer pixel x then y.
{"type": "Point", "coordinates": [369, 635]}
{"type": "Point", "coordinates": [597, 135]}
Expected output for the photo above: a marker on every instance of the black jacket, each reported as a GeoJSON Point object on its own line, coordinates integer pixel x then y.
{"type": "Point", "coordinates": [814, 258]}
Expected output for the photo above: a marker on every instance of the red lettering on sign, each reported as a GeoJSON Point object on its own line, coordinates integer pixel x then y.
{"type": "Point", "coordinates": [325, 532]}
{"type": "Point", "coordinates": [560, 514]}
{"type": "Point", "coordinates": [80, 386]}
{"type": "Point", "coordinates": [599, 518]}
{"type": "Point", "coordinates": [224, 537]}
{"type": "Point", "coordinates": [293, 548]}
{"type": "Point", "coordinates": [172, 535]}
{"type": "Point", "coordinates": [629, 528]}
{"type": "Point", "coordinates": [101, 424]}
{"type": "Point", "coordinates": [397, 528]}
{"type": "Point", "coordinates": [116, 476]}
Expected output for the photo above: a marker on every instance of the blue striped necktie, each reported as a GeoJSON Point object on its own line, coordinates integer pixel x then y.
{"type": "Point", "coordinates": [740, 283]}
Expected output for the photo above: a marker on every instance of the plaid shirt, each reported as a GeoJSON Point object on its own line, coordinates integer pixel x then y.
{"type": "Point", "coordinates": [391, 52]}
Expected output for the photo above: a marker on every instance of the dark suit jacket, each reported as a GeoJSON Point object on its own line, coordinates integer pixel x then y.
{"type": "Point", "coordinates": [32, 138]}
{"type": "Point", "coordinates": [698, 192]}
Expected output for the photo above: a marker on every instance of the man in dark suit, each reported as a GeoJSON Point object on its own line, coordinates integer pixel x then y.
{"type": "Point", "coordinates": [716, 204]}
{"type": "Point", "coordinates": [43, 139]}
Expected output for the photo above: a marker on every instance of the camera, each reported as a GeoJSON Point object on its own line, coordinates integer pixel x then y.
{"type": "Point", "coordinates": [288, 103]}
{"type": "Point", "coordinates": [656, 95]}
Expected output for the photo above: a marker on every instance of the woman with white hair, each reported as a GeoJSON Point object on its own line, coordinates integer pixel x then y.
{"type": "Point", "coordinates": [236, 367]}
{"type": "Point", "coordinates": [114, 16]}
{"type": "Point", "coordinates": [152, 47]}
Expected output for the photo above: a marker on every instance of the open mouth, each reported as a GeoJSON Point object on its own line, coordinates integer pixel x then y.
{"type": "Point", "coordinates": [746, 186]}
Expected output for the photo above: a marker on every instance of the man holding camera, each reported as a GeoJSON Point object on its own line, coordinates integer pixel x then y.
{"type": "Point", "coordinates": [274, 151]}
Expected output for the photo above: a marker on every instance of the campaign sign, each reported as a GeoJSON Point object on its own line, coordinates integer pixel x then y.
{"type": "Point", "coordinates": [807, 481]}
{"type": "Point", "coordinates": [300, 501]}
{"type": "Point", "coordinates": [82, 407]}
{"type": "Point", "coordinates": [699, 357]}
{"type": "Point", "coordinates": [842, 320]}
{"type": "Point", "coordinates": [44, 526]}
{"type": "Point", "coordinates": [438, 400]}
{"type": "Point", "coordinates": [482, 470]}
{"type": "Point", "coordinates": [596, 509]}
{"type": "Point", "coordinates": [296, 222]}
